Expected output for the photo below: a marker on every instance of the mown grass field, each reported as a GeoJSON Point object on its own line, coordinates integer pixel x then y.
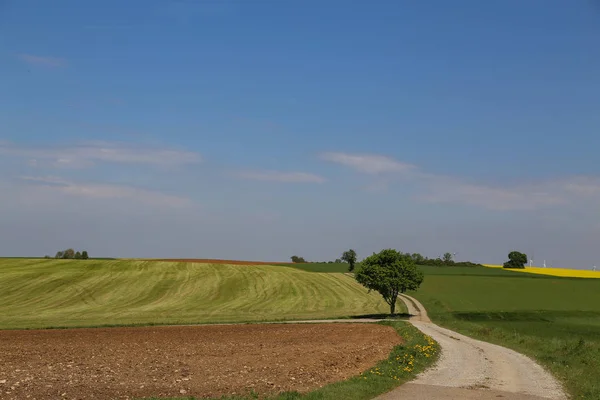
{"type": "Point", "coordinates": [554, 320]}
{"type": "Point", "coordinates": [38, 293]}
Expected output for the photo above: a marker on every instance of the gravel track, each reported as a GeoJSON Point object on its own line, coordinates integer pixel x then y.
{"type": "Point", "coordinates": [470, 368]}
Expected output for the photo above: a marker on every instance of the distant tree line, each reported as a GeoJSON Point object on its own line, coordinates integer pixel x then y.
{"type": "Point", "coordinates": [70, 254]}
{"type": "Point", "coordinates": [350, 257]}
{"type": "Point", "coordinates": [445, 261]}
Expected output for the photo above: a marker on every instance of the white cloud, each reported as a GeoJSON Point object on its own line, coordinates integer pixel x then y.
{"type": "Point", "coordinates": [87, 154]}
{"type": "Point", "coordinates": [54, 185]}
{"type": "Point", "coordinates": [493, 198]}
{"type": "Point", "coordinates": [583, 186]}
{"type": "Point", "coordinates": [368, 163]}
{"type": "Point", "coordinates": [446, 189]}
{"type": "Point", "coordinates": [567, 191]}
{"type": "Point", "coordinates": [44, 61]}
{"type": "Point", "coordinates": [278, 176]}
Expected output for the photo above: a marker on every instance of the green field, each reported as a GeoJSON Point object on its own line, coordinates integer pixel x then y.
{"type": "Point", "coordinates": [554, 320]}
{"type": "Point", "coordinates": [37, 293]}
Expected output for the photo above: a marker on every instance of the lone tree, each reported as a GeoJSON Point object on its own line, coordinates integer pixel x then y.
{"type": "Point", "coordinates": [296, 259]}
{"type": "Point", "coordinates": [389, 273]}
{"type": "Point", "coordinates": [349, 257]}
{"type": "Point", "coordinates": [516, 260]}
{"type": "Point", "coordinates": [447, 257]}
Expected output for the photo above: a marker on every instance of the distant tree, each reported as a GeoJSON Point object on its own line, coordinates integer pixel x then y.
{"type": "Point", "coordinates": [516, 260]}
{"type": "Point", "coordinates": [46, 256]}
{"type": "Point", "coordinates": [84, 255]}
{"type": "Point", "coordinates": [78, 256]}
{"type": "Point", "coordinates": [59, 254]}
{"type": "Point", "coordinates": [447, 257]}
{"type": "Point", "coordinates": [338, 261]}
{"type": "Point", "coordinates": [69, 254]}
{"type": "Point", "coordinates": [389, 273]}
{"type": "Point", "coordinates": [296, 259]}
{"type": "Point", "coordinates": [350, 257]}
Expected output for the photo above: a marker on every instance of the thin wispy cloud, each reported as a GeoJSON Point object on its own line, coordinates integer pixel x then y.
{"type": "Point", "coordinates": [584, 186]}
{"type": "Point", "coordinates": [447, 190]}
{"type": "Point", "coordinates": [44, 61]}
{"type": "Point", "coordinates": [435, 188]}
{"type": "Point", "coordinates": [283, 177]}
{"type": "Point", "coordinates": [107, 191]}
{"type": "Point", "coordinates": [368, 163]}
{"type": "Point", "coordinates": [90, 153]}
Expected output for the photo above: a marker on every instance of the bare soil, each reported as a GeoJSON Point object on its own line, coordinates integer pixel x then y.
{"type": "Point", "coordinates": [201, 361]}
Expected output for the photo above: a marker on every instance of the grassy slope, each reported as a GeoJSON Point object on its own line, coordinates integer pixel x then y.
{"type": "Point", "coordinates": [64, 293]}
{"type": "Point", "coordinates": [555, 320]}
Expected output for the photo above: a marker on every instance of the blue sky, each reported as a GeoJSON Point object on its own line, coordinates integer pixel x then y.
{"type": "Point", "coordinates": [263, 129]}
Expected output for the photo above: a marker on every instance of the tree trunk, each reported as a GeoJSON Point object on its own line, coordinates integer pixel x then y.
{"type": "Point", "coordinates": [393, 306]}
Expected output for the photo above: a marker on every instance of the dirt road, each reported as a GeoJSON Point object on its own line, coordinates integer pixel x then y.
{"type": "Point", "coordinates": [472, 369]}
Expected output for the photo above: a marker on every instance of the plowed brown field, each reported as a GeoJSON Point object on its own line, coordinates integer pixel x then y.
{"type": "Point", "coordinates": [186, 360]}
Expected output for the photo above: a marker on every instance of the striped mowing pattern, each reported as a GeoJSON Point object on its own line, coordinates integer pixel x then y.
{"type": "Point", "coordinates": [38, 293]}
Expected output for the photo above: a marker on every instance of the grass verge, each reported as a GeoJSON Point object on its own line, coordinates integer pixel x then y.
{"type": "Point", "coordinates": [405, 361]}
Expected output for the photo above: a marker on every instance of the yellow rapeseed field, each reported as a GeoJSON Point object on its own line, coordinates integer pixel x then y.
{"type": "Point", "coordinates": [571, 273]}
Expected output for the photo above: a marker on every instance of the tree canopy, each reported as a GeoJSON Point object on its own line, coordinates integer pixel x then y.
{"type": "Point", "coordinates": [296, 259]}
{"type": "Point", "coordinates": [350, 257]}
{"type": "Point", "coordinates": [390, 273]}
{"type": "Point", "coordinates": [71, 254]}
{"type": "Point", "coordinates": [516, 260]}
